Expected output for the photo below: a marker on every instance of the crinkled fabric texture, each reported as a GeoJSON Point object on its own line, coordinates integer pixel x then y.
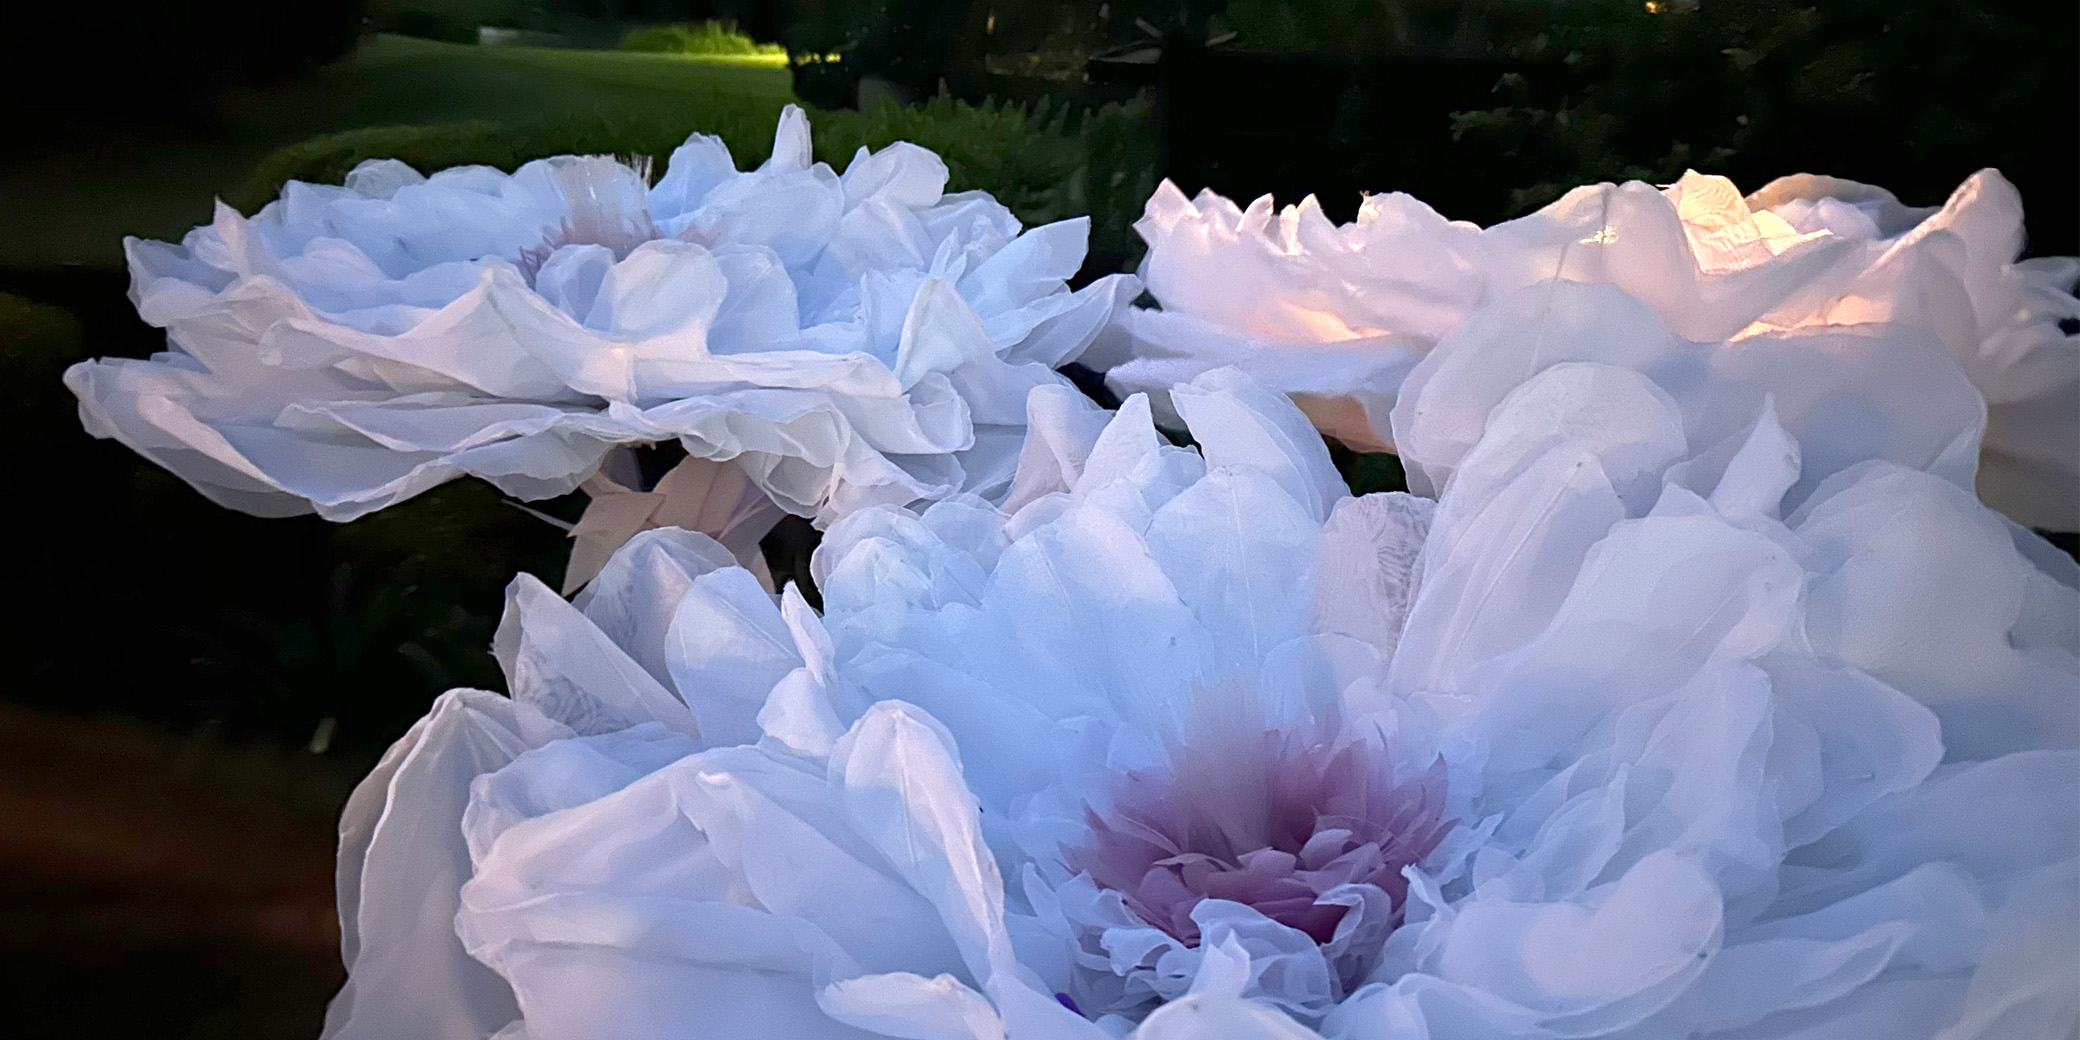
{"type": "Point", "coordinates": [1714, 765]}
{"type": "Point", "coordinates": [848, 340]}
{"type": "Point", "coordinates": [1338, 316]}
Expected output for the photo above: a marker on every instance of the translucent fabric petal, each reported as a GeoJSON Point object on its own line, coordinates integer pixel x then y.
{"type": "Point", "coordinates": [402, 861]}
{"type": "Point", "coordinates": [842, 339]}
{"type": "Point", "coordinates": [1339, 317]}
{"type": "Point", "coordinates": [1639, 731]}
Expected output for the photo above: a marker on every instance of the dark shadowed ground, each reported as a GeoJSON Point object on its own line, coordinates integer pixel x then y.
{"type": "Point", "coordinates": [164, 885]}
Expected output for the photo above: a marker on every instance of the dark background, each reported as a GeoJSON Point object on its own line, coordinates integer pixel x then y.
{"type": "Point", "coordinates": [196, 690]}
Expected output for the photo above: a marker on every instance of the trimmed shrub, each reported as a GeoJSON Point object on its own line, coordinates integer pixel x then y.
{"type": "Point", "coordinates": [430, 25]}
{"type": "Point", "coordinates": [712, 37]}
{"type": "Point", "coordinates": [264, 625]}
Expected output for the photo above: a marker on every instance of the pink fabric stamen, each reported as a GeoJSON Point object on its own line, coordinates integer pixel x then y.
{"type": "Point", "coordinates": [1323, 816]}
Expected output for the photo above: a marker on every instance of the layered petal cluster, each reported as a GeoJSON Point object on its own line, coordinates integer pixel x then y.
{"type": "Point", "coordinates": [1637, 730]}
{"type": "Point", "coordinates": [1337, 316]}
{"type": "Point", "coordinates": [846, 340]}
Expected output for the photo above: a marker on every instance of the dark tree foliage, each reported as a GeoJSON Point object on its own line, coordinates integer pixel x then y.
{"type": "Point", "coordinates": [912, 46]}
{"type": "Point", "coordinates": [764, 20]}
{"type": "Point", "coordinates": [1490, 109]}
{"type": "Point", "coordinates": [136, 58]}
{"type": "Point", "coordinates": [1913, 95]}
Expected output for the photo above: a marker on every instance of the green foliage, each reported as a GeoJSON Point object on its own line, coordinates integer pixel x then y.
{"type": "Point", "coordinates": [302, 619]}
{"type": "Point", "coordinates": [37, 343]}
{"type": "Point", "coordinates": [712, 37]}
{"type": "Point", "coordinates": [1368, 473]}
{"type": "Point", "coordinates": [1356, 28]}
{"type": "Point", "coordinates": [35, 333]}
{"type": "Point", "coordinates": [462, 532]}
{"type": "Point", "coordinates": [629, 81]}
{"type": "Point", "coordinates": [1913, 94]}
{"type": "Point", "coordinates": [1120, 175]}
{"type": "Point", "coordinates": [450, 21]}
{"type": "Point", "coordinates": [985, 146]}
{"type": "Point", "coordinates": [430, 25]}
{"type": "Point", "coordinates": [1330, 26]}
{"type": "Point", "coordinates": [263, 623]}
{"type": "Point", "coordinates": [1044, 163]}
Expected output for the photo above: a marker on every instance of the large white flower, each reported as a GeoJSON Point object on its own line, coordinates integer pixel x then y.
{"type": "Point", "coordinates": [844, 340]}
{"type": "Point", "coordinates": [1337, 316]}
{"type": "Point", "coordinates": [1628, 734]}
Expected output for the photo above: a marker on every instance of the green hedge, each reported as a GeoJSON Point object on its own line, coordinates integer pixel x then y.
{"type": "Point", "coordinates": [429, 25]}
{"type": "Point", "coordinates": [706, 38]}
{"type": "Point", "coordinates": [264, 625]}
{"type": "Point", "coordinates": [37, 343]}
{"type": "Point", "coordinates": [1044, 164]}
{"type": "Point", "coordinates": [1910, 94]}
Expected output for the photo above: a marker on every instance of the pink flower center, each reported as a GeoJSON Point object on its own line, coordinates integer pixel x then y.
{"type": "Point", "coordinates": [1274, 830]}
{"type": "Point", "coordinates": [590, 183]}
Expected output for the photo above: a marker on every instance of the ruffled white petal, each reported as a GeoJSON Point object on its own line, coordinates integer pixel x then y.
{"type": "Point", "coordinates": [1338, 317]}
{"type": "Point", "coordinates": [402, 862]}
{"type": "Point", "coordinates": [1702, 786]}
{"type": "Point", "coordinates": [847, 342]}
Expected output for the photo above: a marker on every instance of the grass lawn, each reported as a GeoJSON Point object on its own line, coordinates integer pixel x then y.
{"type": "Point", "coordinates": [71, 200]}
{"type": "Point", "coordinates": [748, 75]}
{"type": "Point", "coordinates": [399, 79]}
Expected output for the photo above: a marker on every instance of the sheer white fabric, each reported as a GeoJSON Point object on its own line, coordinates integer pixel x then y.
{"type": "Point", "coordinates": [1698, 790]}
{"type": "Point", "coordinates": [1338, 316]}
{"type": "Point", "coordinates": [846, 340]}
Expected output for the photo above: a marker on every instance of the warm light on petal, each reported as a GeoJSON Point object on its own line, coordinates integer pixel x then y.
{"type": "Point", "coordinates": [1337, 316]}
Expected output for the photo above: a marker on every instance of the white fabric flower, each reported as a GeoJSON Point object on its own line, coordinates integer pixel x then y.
{"type": "Point", "coordinates": [1337, 316]}
{"type": "Point", "coordinates": [1628, 734]}
{"type": "Point", "coordinates": [846, 340]}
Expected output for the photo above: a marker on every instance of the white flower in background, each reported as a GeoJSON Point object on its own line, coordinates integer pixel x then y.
{"type": "Point", "coordinates": [2005, 329]}
{"type": "Point", "coordinates": [1626, 735]}
{"type": "Point", "coordinates": [1337, 316]}
{"type": "Point", "coordinates": [844, 340]}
